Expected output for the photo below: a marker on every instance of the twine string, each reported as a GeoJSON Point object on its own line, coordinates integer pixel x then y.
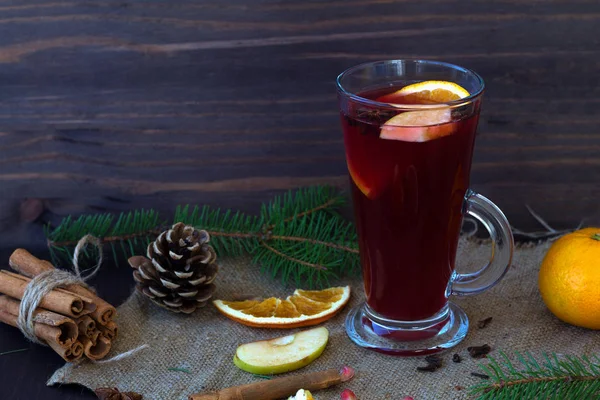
{"type": "Point", "coordinates": [35, 291]}
{"type": "Point", "coordinates": [122, 356]}
{"type": "Point", "coordinates": [81, 245]}
{"type": "Point", "coordinates": [47, 281]}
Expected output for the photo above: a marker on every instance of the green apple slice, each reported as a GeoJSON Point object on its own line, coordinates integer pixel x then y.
{"type": "Point", "coordinates": [287, 353]}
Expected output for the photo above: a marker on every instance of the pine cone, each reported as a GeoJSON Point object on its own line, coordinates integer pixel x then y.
{"type": "Point", "coordinates": [179, 270]}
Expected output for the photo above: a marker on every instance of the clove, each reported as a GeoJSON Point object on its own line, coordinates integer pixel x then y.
{"type": "Point", "coordinates": [479, 351]}
{"type": "Point", "coordinates": [478, 375]}
{"type": "Point", "coordinates": [484, 322]}
{"type": "Point", "coordinates": [433, 363]}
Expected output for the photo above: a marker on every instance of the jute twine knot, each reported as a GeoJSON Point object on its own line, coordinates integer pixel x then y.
{"type": "Point", "coordinates": [47, 281]}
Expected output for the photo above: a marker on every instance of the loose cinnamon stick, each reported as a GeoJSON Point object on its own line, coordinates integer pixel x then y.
{"type": "Point", "coordinates": [281, 387]}
{"type": "Point", "coordinates": [27, 264]}
{"type": "Point", "coordinates": [86, 325]}
{"type": "Point", "coordinates": [97, 349]}
{"type": "Point", "coordinates": [58, 300]}
{"type": "Point", "coordinates": [48, 326]}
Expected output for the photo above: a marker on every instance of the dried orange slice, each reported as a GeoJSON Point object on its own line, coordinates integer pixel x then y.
{"type": "Point", "coordinates": [303, 308]}
{"type": "Point", "coordinates": [427, 92]}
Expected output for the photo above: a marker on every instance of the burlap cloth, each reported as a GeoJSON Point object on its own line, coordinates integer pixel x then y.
{"type": "Point", "coordinates": [205, 343]}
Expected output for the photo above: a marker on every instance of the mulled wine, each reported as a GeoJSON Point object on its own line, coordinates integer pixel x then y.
{"type": "Point", "coordinates": [408, 198]}
{"type": "Point", "coordinates": [409, 130]}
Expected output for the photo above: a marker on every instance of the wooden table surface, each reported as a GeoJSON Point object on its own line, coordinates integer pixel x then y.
{"type": "Point", "coordinates": [112, 105]}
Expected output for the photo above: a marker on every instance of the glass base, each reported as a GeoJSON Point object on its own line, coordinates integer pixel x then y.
{"type": "Point", "coordinates": [407, 338]}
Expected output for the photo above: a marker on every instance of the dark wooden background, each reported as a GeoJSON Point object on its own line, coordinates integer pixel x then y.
{"type": "Point", "coordinates": [112, 105]}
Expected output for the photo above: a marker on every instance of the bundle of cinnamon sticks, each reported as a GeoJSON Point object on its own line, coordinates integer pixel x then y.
{"type": "Point", "coordinates": [73, 320]}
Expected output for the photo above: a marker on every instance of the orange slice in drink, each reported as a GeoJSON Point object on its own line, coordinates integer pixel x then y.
{"type": "Point", "coordinates": [427, 92]}
{"type": "Point", "coordinates": [368, 184]}
{"type": "Point", "coordinates": [369, 167]}
{"type": "Point", "coordinates": [422, 125]}
{"type": "Point", "coordinates": [303, 308]}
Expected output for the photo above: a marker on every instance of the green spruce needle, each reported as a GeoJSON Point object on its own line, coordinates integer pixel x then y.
{"type": "Point", "coordinates": [12, 351]}
{"type": "Point", "coordinates": [299, 237]}
{"type": "Point", "coordinates": [549, 377]}
{"type": "Point", "coordinates": [187, 371]}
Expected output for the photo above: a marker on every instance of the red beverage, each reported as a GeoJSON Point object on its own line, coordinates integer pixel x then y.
{"type": "Point", "coordinates": [409, 128]}
{"type": "Point", "coordinates": [408, 198]}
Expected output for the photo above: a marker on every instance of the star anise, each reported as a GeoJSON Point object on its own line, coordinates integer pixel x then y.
{"type": "Point", "coordinates": [375, 116]}
{"type": "Point", "coordinates": [115, 394]}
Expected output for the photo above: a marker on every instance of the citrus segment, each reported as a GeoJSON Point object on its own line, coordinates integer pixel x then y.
{"type": "Point", "coordinates": [368, 166]}
{"type": "Point", "coordinates": [295, 311]}
{"type": "Point", "coordinates": [419, 126]}
{"type": "Point", "coordinates": [265, 308]}
{"type": "Point", "coordinates": [286, 309]}
{"type": "Point", "coordinates": [427, 92]}
{"type": "Point", "coordinates": [309, 307]}
{"type": "Point", "coordinates": [329, 295]}
{"type": "Point", "coordinates": [242, 305]}
{"type": "Point", "coordinates": [361, 183]}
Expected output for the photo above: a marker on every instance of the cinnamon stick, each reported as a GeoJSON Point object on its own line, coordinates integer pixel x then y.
{"type": "Point", "coordinates": [27, 264]}
{"type": "Point", "coordinates": [97, 349]}
{"type": "Point", "coordinates": [48, 326]}
{"type": "Point", "coordinates": [281, 387]}
{"type": "Point", "coordinates": [86, 325]}
{"type": "Point", "coordinates": [73, 353]}
{"type": "Point", "coordinates": [49, 335]}
{"type": "Point", "coordinates": [109, 330]}
{"type": "Point", "coordinates": [58, 300]}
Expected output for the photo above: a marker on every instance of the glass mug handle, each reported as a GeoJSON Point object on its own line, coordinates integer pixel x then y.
{"type": "Point", "coordinates": [493, 219]}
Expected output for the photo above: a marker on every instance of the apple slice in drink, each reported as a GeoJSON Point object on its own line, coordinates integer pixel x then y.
{"type": "Point", "coordinates": [419, 126]}
{"type": "Point", "coordinates": [287, 353]}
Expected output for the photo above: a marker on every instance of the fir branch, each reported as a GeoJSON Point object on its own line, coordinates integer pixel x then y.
{"type": "Point", "coordinates": [298, 236]}
{"type": "Point", "coordinates": [561, 378]}
{"type": "Point", "coordinates": [303, 202]}
{"type": "Point", "coordinates": [317, 242]}
{"type": "Point", "coordinates": [292, 259]}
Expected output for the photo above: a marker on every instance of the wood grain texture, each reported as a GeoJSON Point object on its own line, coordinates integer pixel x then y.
{"type": "Point", "coordinates": [107, 106]}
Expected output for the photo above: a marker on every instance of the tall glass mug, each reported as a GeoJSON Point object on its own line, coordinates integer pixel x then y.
{"type": "Point", "coordinates": [409, 162]}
